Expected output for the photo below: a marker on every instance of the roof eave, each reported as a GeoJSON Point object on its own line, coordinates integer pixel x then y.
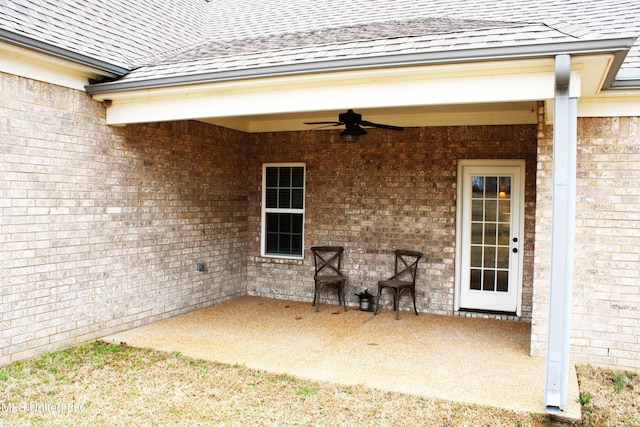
{"type": "Point", "coordinates": [619, 47]}
{"type": "Point", "coordinates": [58, 52]}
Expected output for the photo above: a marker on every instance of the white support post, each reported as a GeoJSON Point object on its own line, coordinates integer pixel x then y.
{"type": "Point", "coordinates": [562, 239]}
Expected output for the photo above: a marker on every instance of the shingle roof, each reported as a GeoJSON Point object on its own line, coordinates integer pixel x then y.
{"type": "Point", "coordinates": [187, 37]}
{"type": "Point", "coordinates": [120, 32]}
{"type": "Point", "coordinates": [387, 39]}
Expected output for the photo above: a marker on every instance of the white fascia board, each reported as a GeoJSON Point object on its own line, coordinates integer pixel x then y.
{"type": "Point", "coordinates": [506, 81]}
{"type": "Point", "coordinates": [628, 106]}
{"type": "Point", "coordinates": [38, 66]}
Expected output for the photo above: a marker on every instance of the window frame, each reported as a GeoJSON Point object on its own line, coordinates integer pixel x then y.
{"type": "Point", "coordinates": [265, 210]}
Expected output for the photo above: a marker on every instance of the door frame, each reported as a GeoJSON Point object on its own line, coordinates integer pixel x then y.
{"type": "Point", "coordinates": [516, 163]}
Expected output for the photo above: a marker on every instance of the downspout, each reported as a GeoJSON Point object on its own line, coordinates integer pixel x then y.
{"type": "Point", "coordinates": [562, 239]}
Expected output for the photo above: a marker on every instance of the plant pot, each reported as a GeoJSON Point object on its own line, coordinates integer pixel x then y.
{"type": "Point", "coordinates": [365, 304]}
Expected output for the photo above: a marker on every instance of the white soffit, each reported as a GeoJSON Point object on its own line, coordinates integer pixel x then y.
{"type": "Point", "coordinates": [46, 68]}
{"type": "Point", "coordinates": [282, 103]}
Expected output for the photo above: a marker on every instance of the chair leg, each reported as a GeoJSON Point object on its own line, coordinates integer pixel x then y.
{"type": "Point", "coordinates": [396, 302]}
{"type": "Point", "coordinates": [316, 298]}
{"type": "Point", "coordinates": [413, 294]}
{"type": "Point", "coordinates": [375, 312]}
{"type": "Point", "coordinates": [344, 297]}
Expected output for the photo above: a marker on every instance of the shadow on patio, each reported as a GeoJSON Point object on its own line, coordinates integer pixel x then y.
{"type": "Point", "coordinates": [478, 361]}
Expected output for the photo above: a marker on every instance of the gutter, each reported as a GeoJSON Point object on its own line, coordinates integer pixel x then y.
{"type": "Point", "coordinates": [58, 52]}
{"type": "Point", "coordinates": [619, 47]}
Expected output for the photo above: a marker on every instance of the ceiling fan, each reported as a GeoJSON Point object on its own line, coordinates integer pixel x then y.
{"type": "Point", "coordinates": [353, 122]}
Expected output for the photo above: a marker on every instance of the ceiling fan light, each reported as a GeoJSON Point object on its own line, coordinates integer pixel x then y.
{"type": "Point", "coordinates": [352, 133]}
{"type": "Point", "coordinates": [349, 137]}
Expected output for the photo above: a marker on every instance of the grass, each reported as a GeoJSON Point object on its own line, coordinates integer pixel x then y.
{"type": "Point", "coordinates": [609, 398]}
{"type": "Point", "coordinates": [100, 384]}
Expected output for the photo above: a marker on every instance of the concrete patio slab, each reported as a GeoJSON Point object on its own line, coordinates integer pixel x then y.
{"type": "Point", "coordinates": [479, 361]}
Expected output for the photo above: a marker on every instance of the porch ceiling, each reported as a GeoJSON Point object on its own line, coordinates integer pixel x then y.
{"type": "Point", "coordinates": [494, 92]}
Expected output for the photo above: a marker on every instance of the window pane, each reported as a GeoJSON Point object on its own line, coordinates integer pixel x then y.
{"type": "Point", "coordinates": [503, 257]}
{"type": "Point", "coordinates": [504, 211]}
{"type": "Point", "coordinates": [285, 223]}
{"type": "Point", "coordinates": [489, 234]}
{"type": "Point", "coordinates": [272, 243]}
{"type": "Point", "coordinates": [475, 281]}
{"type": "Point", "coordinates": [503, 281]}
{"type": "Point", "coordinates": [477, 182]}
{"type": "Point", "coordinates": [491, 187]}
{"type": "Point", "coordinates": [272, 198]}
{"type": "Point", "coordinates": [476, 234]}
{"type": "Point", "coordinates": [488, 282]}
{"type": "Point", "coordinates": [272, 223]}
{"type": "Point", "coordinates": [284, 198]}
{"type": "Point", "coordinates": [297, 177]}
{"type": "Point", "coordinates": [285, 177]}
{"type": "Point", "coordinates": [505, 187]}
{"type": "Point", "coordinates": [296, 220]}
{"type": "Point", "coordinates": [477, 210]}
{"type": "Point", "coordinates": [490, 210]}
{"type": "Point", "coordinates": [297, 198]}
{"type": "Point", "coordinates": [503, 234]}
{"type": "Point", "coordinates": [490, 256]}
{"type": "Point", "coordinates": [272, 177]}
{"type": "Point", "coordinates": [476, 256]}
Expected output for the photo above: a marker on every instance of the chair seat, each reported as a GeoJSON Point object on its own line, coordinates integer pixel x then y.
{"type": "Point", "coordinates": [330, 279]}
{"type": "Point", "coordinates": [395, 283]}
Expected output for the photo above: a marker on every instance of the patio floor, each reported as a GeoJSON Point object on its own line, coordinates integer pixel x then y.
{"type": "Point", "coordinates": [479, 361]}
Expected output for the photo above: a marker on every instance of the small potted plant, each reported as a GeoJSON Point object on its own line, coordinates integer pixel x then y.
{"type": "Point", "coordinates": [366, 300]}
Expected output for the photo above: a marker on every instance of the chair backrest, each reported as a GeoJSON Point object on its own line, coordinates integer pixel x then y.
{"type": "Point", "coordinates": [407, 265]}
{"type": "Point", "coordinates": [327, 260]}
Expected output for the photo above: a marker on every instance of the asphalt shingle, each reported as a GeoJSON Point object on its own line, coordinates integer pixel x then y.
{"type": "Point", "coordinates": [197, 36]}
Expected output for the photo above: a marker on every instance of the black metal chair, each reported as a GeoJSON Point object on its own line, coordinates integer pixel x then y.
{"type": "Point", "coordinates": [328, 260]}
{"type": "Point", "coordinates": [406, 270]}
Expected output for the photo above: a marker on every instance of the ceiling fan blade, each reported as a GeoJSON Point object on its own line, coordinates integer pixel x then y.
{"type": "Point", "coordinates": [323, 126]}
{"type": "Point", "coordinates": [377, 125]}
{"type": "Point", "coordinates": [324, 123]}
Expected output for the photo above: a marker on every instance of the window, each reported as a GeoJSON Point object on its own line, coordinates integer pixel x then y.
{"type": "Point", "coordinates": [283, 209]}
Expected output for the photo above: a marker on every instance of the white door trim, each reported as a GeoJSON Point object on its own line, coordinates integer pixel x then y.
{"type": "Point", "coordinates": [521, 164]}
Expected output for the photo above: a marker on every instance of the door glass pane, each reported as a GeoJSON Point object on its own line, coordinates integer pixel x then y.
{"type": "Point", "coordinates": [477, 184]}
{"type": "Point", "coordinates": [505, 187]}
{"type": "Point", "coordinates": [477, 210]}
{"type": "Point", "coordinates": [488, 280]}
{"type": "Point", "coordinates": [476, 256]}
{"type": "Point", "coordinates": [503, 257]}
{"type": "Point", "coordinates": [489, 257]}
{"type": "Point", "coordinates": [491, 210]}
{"type": "Point", "coordinates": [503, 281]}
{"type": "Point", "coordinates": [476, 280]}
{"type": "Point", "coordinates": [504, 211]}
{"type": "Point", "coordinates": [503, 234]}
{"type": "Point", "coordinates": [476, 234]}
{"type": "Point", "coordinates": [491, 187]}
{"type": "Point", "coordinates": [489, 233]}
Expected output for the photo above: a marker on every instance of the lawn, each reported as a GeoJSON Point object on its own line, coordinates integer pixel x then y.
{"type": "Point", "coordinates": [101, 384]}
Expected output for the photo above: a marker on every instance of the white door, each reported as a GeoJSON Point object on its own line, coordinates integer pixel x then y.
{"type": "Point", "coordinates": [490, 227]}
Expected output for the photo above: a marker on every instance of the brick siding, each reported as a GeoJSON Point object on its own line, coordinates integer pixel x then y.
{"type": "Point", "coordinates": [606, 294]}
{"type": "Point", "coordinates": [101, 228]}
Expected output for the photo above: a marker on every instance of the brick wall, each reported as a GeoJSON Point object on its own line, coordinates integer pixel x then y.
{"type": "Point", "coordinates": [606, 297]}
{"type": "Point", "coordinates": [389, 190]}
{"type": "Point", "coordinates": [101, 227]}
